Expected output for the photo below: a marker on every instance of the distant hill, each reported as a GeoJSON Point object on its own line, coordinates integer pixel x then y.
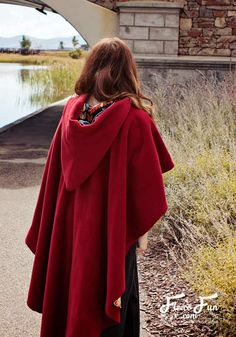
{"type": "Point", "coordinates": [14, 42]}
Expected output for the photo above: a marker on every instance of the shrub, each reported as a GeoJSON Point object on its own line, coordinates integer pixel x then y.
{"type": "Point", "coordinates": [75, 54]}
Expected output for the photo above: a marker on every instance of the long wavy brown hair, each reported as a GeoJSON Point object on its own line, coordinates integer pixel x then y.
{"type": "Point", "coordinates": [110, 73]}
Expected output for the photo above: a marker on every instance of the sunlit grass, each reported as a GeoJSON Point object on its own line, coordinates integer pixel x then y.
{"type": "Point", "coordinates": [212, 270]}
{"type": "Point", "coordinates": [57, 81]}
{"type": "Point", "coordinates": [40, 59]}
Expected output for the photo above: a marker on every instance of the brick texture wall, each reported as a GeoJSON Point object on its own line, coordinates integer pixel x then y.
{"type": "Point", "coordinates": [208, 27]}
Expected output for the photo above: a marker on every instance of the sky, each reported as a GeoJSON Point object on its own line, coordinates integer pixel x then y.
{"type": "Point", "coordinates": [19, 20]}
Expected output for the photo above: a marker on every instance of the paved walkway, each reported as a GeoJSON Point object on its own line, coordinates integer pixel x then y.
{"type": "Point", "coordinates": [23, 150]}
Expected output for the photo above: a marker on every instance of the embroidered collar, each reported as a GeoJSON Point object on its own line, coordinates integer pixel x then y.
{"type": "Point", "coordinates": [92, 108]}
{"type": "Point", "coordinates": [89, 113]}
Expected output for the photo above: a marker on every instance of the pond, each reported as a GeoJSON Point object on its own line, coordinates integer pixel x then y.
{"type": "Point", "coordinates": [17, 95]}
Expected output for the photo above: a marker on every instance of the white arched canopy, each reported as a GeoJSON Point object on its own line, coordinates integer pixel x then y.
{"type": "Point", "coordinates": [92, 21]}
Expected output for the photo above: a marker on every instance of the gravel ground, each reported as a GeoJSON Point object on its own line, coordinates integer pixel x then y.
{"type": "Point", "coordinates": [161, 278]}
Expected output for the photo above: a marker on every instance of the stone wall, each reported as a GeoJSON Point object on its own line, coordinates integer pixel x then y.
{"type": "Point", "coordinates": [110, 4]}
{"type": "Point", "coordinates": [151, 30]}
{"type": "Point", "coordinates": [208, 27]}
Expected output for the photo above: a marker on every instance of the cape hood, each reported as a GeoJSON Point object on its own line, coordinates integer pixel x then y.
{"type": "Point", "coordinates": [84, 146]}
{"type": "Point", "coordinates": [102, 188]}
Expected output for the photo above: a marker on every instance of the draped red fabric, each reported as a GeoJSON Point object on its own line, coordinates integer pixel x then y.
{"type": "Point", "coordinates": [102, 188]}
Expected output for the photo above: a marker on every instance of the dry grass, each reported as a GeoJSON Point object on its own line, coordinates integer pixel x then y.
{"type": "Point", "coordinates": [41, 59]}
{"type": "Point", "coordinates": [198, 123]}
{"type": "Point", "coordinates": [210, 271]}
{"type": "Point", "coordinates": [57, 81]}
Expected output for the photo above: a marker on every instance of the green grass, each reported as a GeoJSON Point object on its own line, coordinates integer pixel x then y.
{"type": "Point", "coordinates": [56, 82]}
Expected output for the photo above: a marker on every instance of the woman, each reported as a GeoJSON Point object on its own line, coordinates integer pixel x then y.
{"type": "Point", "coordinates": [102, 190]}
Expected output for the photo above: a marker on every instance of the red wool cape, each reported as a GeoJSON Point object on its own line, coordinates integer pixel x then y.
{"type": "Point", "coordinates": [102, 188]}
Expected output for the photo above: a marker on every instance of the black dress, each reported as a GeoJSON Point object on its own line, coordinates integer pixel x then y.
{"type": "Point", "coordinates": [130, 312]}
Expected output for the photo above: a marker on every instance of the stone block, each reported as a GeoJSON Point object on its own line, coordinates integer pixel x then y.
{"type": "Point", "coordinates": [164, 33]}
{"type": "Point", "coordinates": [185, 24]}
{"type": "Point", "coordinates": [226, 38]}
{"type": "Point", "coordinates": [185, 39]}
{"type": "Point", "coordinates": [223, 31]}
{"type": "Point", "coordinates": [132, 32]}
{"type": "Point", "coordinates": [218, 8]}
{"type": "Point", "coordinates": [204, 40]}
{"type": "Point", "coordinates": [222, 52]}
{"type": "Point", "coordinates": [207, 51]}
{"type": "Point", "coordinates": [219, 13]}
{"type": "Point", "coordinates": [183, 33]}
{"type": "Point", "coordinates": [183, 51]}
{"type": "Point", "coordinates": [217, 2]}
{"type": "Point", "coordinates": [220, 22]}
{"type": "Point", "coordinates": [194, 51]}
{"type": "Point", "coordinates": [172, 20]}
{"type": "Point", "coordinates": [148, 47]}
{"type": "Point", "coordinates": [233, 45]}
{"type": "Point", "coordinates": [171, 47]}
{"type": "Point", "coordinates": [205, 23]}
{"type": "Point", "coordinates": [231, 22]}
{"type": "Point", "coordinates": [191, 13]}
{"type": "Point", "coordinates": [194, 32]}
{"type": "Point", "coordinates": [192, 5]}
{"type": "Point", "coordinates": [149, 19]}
{"type": "Point", "coordinates": [130, 44]}
{"type": "Point", "coordinates": [231, 13]}
{"type": "Point", "coordinates": [126, 19]}
{"type": "Point", "coordinates": [222, 45]}
{"type": "Point", "coordinates": [208, 45]}
{"type": "Point", "coordinates": [205, 13]}
{"type": "Point", "coordinates": [233, 53]}
{"type": "Point", "coordinates": [208, 31]}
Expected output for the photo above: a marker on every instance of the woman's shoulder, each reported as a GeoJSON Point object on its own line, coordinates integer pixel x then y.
{"type": "Point", "coordinates": [72, 98]}
{"type": "Point", "coordinates": [139, 118]}
{"type": "Point", "coordinates": [69, 100]}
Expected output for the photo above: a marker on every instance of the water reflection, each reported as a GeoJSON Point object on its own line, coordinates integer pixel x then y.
{"type": "Point", "coordinates": [19, 94]}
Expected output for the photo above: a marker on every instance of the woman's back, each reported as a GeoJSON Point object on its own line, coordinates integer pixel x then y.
{"type": "Point", "coordinates": [102, 188]}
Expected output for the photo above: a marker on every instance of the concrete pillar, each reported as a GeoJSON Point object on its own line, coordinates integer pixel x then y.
{"type": "Point", "coordinates": [150, 27]}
